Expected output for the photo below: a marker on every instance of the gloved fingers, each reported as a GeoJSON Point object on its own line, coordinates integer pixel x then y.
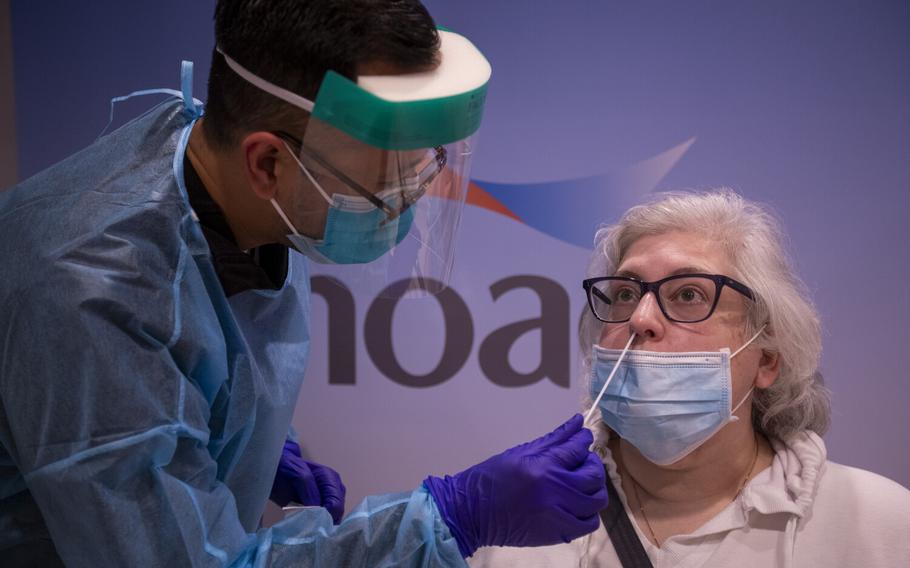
{"type": "Point", "coordinates": [580, 496]}
{"type": "Point", "coordinates": [335, 507]}
{"type": "Point", "coordinates": [593, 472]}
{"type": "Point", "coordinates": [584, 506]}
{"type": "Point", "coordinates": [302, 480]}
{"type": "Point", "coordinates": [586, 479]}
{"type": "Point", "coordinates": [572, 453]}
{"type": "Point", "coordinates": [306, 491]}
{"type": "Point", "coordinates": [573, 527]}
{"type": "Point", "coordinates": [562, 433]}
{"type": "Point", "coordinates": [291, 447]}
{"type": "Point", "coordinates": [331, 489]}
{"type": "Point", "coordinates": [288, 485]}
{"type": "Point", "coordinates": [585, 526]}
{"type": "Point", "coordinates": [327, 479]}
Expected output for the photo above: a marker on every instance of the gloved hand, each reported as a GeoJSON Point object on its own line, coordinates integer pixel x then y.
{"type": "Point", "coordinates": [307, 483]}
{"type": "Point", "coordinates": [542, 492]}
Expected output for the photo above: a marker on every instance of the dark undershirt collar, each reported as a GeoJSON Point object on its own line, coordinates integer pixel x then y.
{"type": "Point", "coordinates": [262, 268]}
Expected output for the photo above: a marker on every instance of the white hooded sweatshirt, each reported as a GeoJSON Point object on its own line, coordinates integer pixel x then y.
{"type": "Point", "coordinates": [801, 511]}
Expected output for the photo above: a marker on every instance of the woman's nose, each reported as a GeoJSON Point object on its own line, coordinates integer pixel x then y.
{"type": "Point", "coordinates": [648, 320]}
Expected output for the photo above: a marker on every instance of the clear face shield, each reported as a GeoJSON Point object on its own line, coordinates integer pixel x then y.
{"type": "Point", "coordinates": [391, 157]}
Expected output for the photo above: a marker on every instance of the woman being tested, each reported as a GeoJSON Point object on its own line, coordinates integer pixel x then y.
{"type": "Point", "coordinates": [702, 350]}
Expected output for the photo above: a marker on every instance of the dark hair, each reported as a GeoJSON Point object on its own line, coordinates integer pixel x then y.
{"type": "Point", "coordinates": [292, 43]}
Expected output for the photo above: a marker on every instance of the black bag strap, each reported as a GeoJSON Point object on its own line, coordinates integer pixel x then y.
{"type": "Point", "coordinates": [622, 534]}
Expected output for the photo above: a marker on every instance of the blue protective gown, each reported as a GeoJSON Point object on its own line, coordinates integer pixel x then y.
{"type": "Point", "coordinates": [142, 413]}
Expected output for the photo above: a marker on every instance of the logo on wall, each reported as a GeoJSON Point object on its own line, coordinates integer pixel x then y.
{"type": "Point", "coordinates": [567, 210]}
{"type": "Point", "coordinates": [571, 210]}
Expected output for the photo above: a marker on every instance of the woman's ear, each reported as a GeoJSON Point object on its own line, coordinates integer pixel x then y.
{"type": "Point", "coordinates": [768, 369]}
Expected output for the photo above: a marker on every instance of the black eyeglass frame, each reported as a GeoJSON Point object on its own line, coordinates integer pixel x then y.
{"type": "Point", "coordinates": [719, 281]}
{"type": "Point", "coordinates": [407, 201]}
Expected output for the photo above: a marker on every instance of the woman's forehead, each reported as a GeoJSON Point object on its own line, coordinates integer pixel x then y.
{"type": "Point", "coordinates": [653, 257]}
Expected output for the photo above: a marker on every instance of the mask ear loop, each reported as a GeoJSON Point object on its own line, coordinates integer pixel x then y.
{"type": "Point", "coordinates": [309, 176]}
{"type": "Point", "coordinates": [284, 217]}
{"type": "Point", "coordinates": [610, 378]}
{"type": "Point", "coordinates": [735, 353]}
{"type": "Point", "coordinates": [312, 180]}
{"type": "Point", "coordinates": [746, 344]}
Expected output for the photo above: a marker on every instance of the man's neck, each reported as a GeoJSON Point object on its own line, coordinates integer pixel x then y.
{"type": "Point", "coordinates": [224, 180]}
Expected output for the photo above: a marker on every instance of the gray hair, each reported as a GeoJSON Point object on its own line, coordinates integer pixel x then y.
{"type": "Point", "coordinates": [753, 241]}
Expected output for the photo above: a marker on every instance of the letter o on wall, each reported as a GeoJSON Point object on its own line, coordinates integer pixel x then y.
{"type": "Point", "coordinates": [459, 334]}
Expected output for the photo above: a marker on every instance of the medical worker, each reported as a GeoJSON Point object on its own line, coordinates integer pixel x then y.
{"type": "Point", "coordinates": [154, 307]}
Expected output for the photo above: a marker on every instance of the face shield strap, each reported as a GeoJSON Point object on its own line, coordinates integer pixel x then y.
{"type": "Point", "coordinates": [283, 94]}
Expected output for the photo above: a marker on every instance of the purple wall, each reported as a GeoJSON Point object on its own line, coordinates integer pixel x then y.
{"type": "Point", "coordinates": [801, 105]}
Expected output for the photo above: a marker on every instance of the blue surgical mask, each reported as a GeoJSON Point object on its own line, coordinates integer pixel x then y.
{"type": "Point", "coordinates": [666, 404]}
{"type": "Point", "coordinates": [356, 231]}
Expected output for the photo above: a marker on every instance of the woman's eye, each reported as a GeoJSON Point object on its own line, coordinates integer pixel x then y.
{"type": "Point", "coordinates": [690, 295]}
{"type": "Point", "coordinates": [626, 295]}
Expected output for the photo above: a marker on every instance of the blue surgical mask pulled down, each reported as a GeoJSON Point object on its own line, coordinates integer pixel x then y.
{"type": "Point", "coordinates": [665, 404]}
{"type": "Point", "coordinates": [356, 231]}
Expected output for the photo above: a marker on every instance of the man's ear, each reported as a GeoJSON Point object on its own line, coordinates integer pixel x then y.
{"type": "Point", "coordinates": [768, 369]}
{"type": "Point", "coordinates": [265, 162]}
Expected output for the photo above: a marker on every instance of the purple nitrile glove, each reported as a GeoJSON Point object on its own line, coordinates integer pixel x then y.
{"type": "Point", "coordinates": [543, 492]}
{"type": "Point", "coordinates": [307, 483]}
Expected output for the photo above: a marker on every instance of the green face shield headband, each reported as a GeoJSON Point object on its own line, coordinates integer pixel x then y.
{"type": "Point", "coordinates": [400, 112]}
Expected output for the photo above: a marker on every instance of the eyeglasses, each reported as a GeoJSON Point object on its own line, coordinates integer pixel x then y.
{"type": "Point", "coordinates": [425, 175]}
{"type": "Point", "coordinates": [683, 298]}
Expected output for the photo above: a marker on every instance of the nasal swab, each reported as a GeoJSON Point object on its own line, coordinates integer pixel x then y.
{"type": "Point", "coordinates": [610, 378]}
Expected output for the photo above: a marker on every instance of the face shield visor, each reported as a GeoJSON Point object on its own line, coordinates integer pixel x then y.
{"type": "Point", "coordinates": [391, 156]}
